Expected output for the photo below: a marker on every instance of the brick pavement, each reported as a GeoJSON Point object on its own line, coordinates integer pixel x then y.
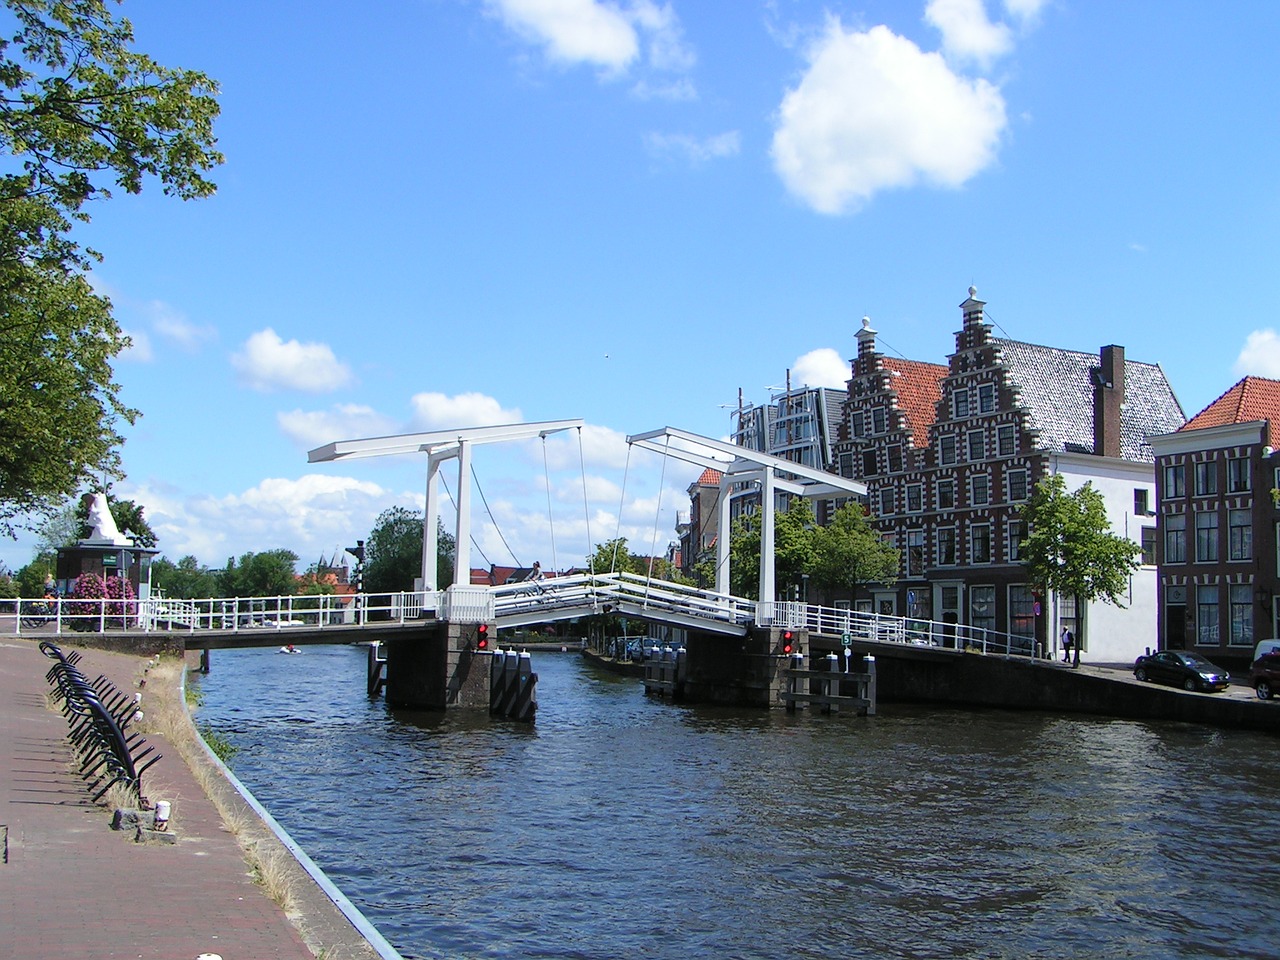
{"type": "Point", "coordinates": [73, 888]}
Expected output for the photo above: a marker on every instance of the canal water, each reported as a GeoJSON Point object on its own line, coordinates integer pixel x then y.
{"type": "Point", "coordinates": [620, 826]}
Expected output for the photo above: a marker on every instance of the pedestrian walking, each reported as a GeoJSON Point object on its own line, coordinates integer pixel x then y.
{"type": "Point", "coordinates": [1068, 641]}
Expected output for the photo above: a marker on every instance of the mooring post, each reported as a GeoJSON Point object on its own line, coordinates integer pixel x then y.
{"type": "Point", "coordinates": [832, 683]}
{"type": "Point", "coordinates": [871, 684]}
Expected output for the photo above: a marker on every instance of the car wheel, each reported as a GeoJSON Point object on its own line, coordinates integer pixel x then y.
{"type": "Point", "coordinates": [1188, 684]}
{"type": "Point", "coordinates": [1141, 674]}
{"type": "Point", "coordinates": [1263, 689]}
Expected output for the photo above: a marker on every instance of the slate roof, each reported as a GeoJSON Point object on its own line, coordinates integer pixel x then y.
{"type": "Point", "coordinates": [918, 386]}
{"type": "Point", "coordinates": [1054, 386]}
{"type": "Point", "coordinates": [1253, 398]}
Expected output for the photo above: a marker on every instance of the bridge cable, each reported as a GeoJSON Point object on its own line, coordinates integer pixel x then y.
{"type": "Point", "coordinates": [657, 518]}
{"type": "Point", "coordinates": [551, 522]}
{"type": "Point", "coordinates": [622, 500]}
{"type": "Point", "coordinates": [476, 480]}
{"type": "Point", "coordinates": [586, 510]}
{"type": "Point", "coordinates": [474, 543]}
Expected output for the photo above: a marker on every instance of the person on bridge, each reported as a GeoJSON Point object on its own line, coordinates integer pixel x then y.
{"type": "Point", "coordinates": [535, 575]}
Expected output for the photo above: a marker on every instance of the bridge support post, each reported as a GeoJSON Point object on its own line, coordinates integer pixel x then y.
{"type": "Point", "coordinates": [438, 671]}
{"type": "Point", "coordinates": [739, 671]}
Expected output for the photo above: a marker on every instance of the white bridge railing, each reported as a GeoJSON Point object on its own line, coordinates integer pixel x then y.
{"type": "Point", "coordinates": [528, 602]}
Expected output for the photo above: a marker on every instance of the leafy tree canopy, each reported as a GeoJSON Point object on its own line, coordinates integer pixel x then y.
{"type": "Point", "coordinates": [84, 114]}
{"type": "Point", "coordinates": [849, 554]}
{"type": "Point", "coordinates": [186, 579]}
{"type": "Point", "coordinates": [393, 552]}
{"type": "Point", "coordinates": [614, 556]}
{"type": "Point", "coordinates": [267, 574]}
{"type": "Point", "coordinates": [1069, 547]}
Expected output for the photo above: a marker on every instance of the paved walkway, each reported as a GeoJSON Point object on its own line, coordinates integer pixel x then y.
{"type": "Point", "coordinates": [73, 888]}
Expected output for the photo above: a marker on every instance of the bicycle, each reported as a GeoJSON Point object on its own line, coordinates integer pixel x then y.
{"type": "Point", "coordinates": [36, 615]}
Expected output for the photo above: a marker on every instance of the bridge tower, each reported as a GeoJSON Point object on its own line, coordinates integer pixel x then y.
{"type": "Point", "coordinates": [444, 668]}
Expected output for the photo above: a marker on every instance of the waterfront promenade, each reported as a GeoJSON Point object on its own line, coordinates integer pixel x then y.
{"type": "Point", "coordinates": [71, 887]}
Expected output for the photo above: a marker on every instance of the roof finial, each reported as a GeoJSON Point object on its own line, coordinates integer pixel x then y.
{"type": "Point", "coordinates": [973, 291]}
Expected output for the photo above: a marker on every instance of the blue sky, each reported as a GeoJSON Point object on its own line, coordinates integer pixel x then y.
{"type": "Point", "coordinates": [442, 213]}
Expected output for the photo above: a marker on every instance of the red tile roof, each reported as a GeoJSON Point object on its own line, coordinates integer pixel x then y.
{"type": "Point", "coordinates": [1253, 398]}
{"type": "Point", "coordinates": [709, 478]}
{"type": "Point", "coordinates": [919, 388]}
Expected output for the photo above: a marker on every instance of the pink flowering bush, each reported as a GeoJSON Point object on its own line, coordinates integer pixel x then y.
{"type": "Point", "coordinates": [120, 608]}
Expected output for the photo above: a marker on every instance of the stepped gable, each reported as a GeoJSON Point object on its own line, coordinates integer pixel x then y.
{"type": "Point", "coordinates": [918, 387]}
{"type": "Point", "coordinates": [1056, 388]}
{"type": "Point", "coordinates": [1253, 398]}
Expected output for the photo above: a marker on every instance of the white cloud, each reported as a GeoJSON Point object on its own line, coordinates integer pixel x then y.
{"type": "Point", "coordinates": [139, 349]}
{"type": "Point", "coordinates": [435, 411]}
{"type": "Point", "coordinates": [1260, 356]}
{"type": "Point", "coordinates": [594, 447]}
{"type": "Point", "coordinates": [693, 149]}
{"type": "Point", "coordinates": [823, 367]}
{"type": "Point", "coordinates": [967, 34]}
{"type": "Point", "coordinates": [343, 421]}
{"type": "Point", "coordinates": [573, 31]}
{"type": "Point", "coordinates": [608, 35]}
{"type": "Point", "coordinates": [174, 327]}
{"type": "Point", "coordinates": [266, 362]}
{"type": "Point", "coordinates": [872, 112]}
{"type": "Point", "coordinates": [1025, 10]}
{"type": "Point", "coordinates": [311, 515]}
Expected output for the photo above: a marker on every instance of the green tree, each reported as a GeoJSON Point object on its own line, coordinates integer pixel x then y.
{"type": "Point", "coordinates": [267, 574]}
{"type": "Point", "coordinates": [794, 535]}
{"type": "Point", "coordinates": [393, 552]}
{"type": "Point", "coordinates": [849, 554]}
{"type": "Point", "coordinates": [84, 113]}
{"type": "Point", "coordinates": [613, 556]}
{"type": "Point", "coordinates": [1069, 547]}
{"type": "Point", "coordinates": [186, 579]}
{"type": "Point", "coordinates": [31, 578]}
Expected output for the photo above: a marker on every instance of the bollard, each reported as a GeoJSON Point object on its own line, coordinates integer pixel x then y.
{"type": "Point", "coordinates": [832, 683]}
{"type": "Point", "coordinates": [871, 684]}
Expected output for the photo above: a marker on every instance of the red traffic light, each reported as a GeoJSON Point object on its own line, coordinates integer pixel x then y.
{"type": "Point", "coordinates": [482, 637]}
{"type": "Point", "coordinates": [787, 646]}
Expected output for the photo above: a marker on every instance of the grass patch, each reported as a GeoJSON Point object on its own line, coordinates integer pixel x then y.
{"type": "Point", "coordinates": [222, 748]}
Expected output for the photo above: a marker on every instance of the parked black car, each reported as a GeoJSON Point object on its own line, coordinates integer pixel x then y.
{"type": "Point", "coordinates": [1187, 670]}
{"type": "Point", "coordinates": [1265, 675]}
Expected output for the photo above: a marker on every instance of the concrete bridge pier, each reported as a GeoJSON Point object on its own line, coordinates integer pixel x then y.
{"type": "Point", "coordinates": [439, 669]}
{"type": "Point", "coordinates": [739, 671]}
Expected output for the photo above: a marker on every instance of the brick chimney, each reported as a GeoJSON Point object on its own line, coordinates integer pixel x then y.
{"type": "Point", "coordinates": [1108, 398]}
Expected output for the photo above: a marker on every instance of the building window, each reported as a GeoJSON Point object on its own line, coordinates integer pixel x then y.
{"type": "Point", "coordinates": [982, 607]}
{"type": "Point", "coordinates": [946, 546]}
{"type": "Point", "coordinates": [1175, 480]}
{"type": "Point", "coordinates": [877, 420]}
{"type": "Point", "coordinates": [1015, 540]}
{"type": "Point", "coordinates": [1022, 613]}
{"type": "Point", "coordinates": [946, 494]}
{"type": "Point", "coordinates": [1149, 546]}
{"type": "Point", "coordinates": [977, 449]}
{"type": "Point", "coordinates": [980, 543]}
{"type": "Point", "coordinates": [869, 466]}
{"type": "Point", "coordinates": [1206, 478]}
{"type": "Point", "coordinates": [979, 490]}
{"type": "Point", "coordinates": [915, 502]}
{"type": "Point", "coordinates": [1175, 539]}
{"type": "Point", "coordinates": [1241, 614]}
{"type": "Point", "coordinates": [846, 465]}
{"type": "Point", "coordinates": [1239, 535]}
{"type": "Point", "coordinates": [1207, 536]}
{"type": "Point", "coordinates": [986, 397]}
{"type": "Point", "coordinates": [1237, 475]}
{"type": "Point", "coordinates": [895, 459]}
{"type": "Point", "coordinates": [859, 421]}
{"type": "Point", "coordinates": [947, 449]}
{"type": "Point", "coordinates": [1004, 440]}
{"type": "Point", "coordinates": [1141, 502]}
{"type": "Point", "coordinates": [1017, 485]}
{"type": "Point", "coordinates": [886, 502]}
{"type": "Point", "coordinates": [1207, 615]}
{"type": "Point", "coordinates": [1069, 617]}
{"type": "Point", "coordinates": [961, 398]}
{"type": "Point", "coordinates": [915, 553]}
